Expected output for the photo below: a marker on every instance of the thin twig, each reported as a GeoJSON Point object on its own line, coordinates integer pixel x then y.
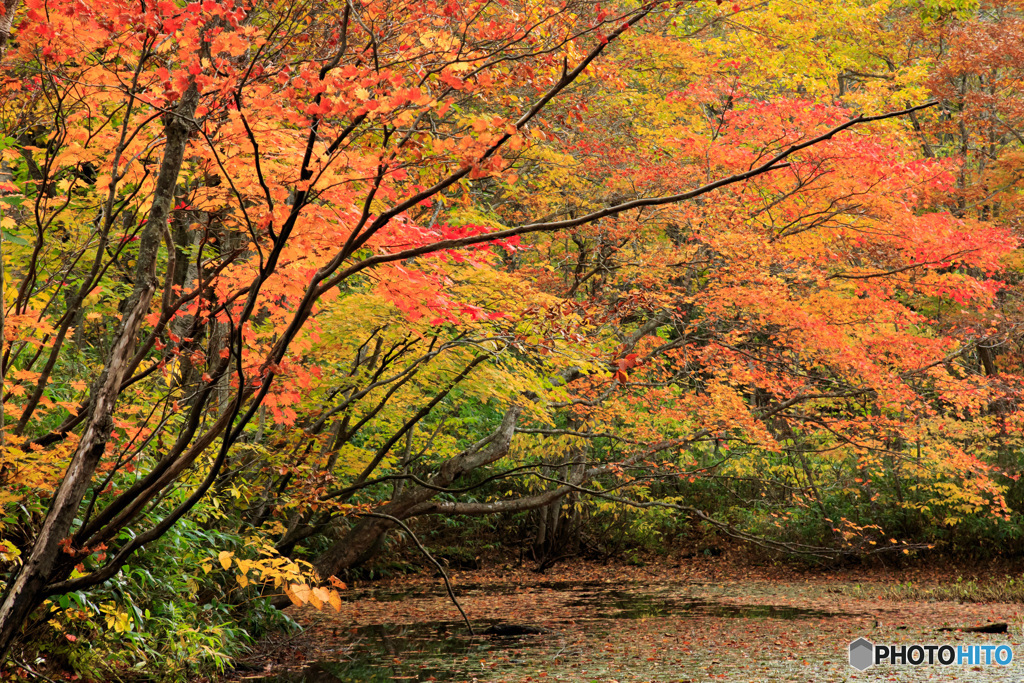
{"type": "Point", "coordinates": [444, 575]}
{"type": "Point", "coordinates": [32, 672]}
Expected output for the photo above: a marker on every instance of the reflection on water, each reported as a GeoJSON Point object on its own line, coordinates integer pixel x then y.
{"type": "Point", "coordinates": [620, 604]}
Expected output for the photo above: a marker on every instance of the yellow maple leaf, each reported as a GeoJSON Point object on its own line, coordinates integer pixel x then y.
{"type": "Point", "coordinates": [225, 558]}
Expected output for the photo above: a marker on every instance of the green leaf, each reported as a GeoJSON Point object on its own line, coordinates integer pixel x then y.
{"type": "Point", "coordinates": [14, 239]}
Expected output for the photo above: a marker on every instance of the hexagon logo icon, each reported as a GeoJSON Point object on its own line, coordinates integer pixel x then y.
{"type": "Point", "coordinates": [862, 654]}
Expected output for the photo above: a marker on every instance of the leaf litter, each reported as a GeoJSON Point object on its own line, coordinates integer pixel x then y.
{"type": "Point", "coordinates": [619, 624]}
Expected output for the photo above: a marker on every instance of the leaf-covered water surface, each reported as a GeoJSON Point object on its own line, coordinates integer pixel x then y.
{"type": "Point", "coordinates": [662, 629]}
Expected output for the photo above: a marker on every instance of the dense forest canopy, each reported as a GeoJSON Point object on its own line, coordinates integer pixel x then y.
{"type": "Point", "coordinates": [281, 277]}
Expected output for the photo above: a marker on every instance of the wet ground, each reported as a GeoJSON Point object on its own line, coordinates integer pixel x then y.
{"type": "Point", "coordinates": [622, 630]}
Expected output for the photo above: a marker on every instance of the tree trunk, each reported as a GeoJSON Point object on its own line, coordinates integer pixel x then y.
{"type": "Point", "coordinates": [27, 588]}
{"type": "Point", "coordinates": [6, 24]}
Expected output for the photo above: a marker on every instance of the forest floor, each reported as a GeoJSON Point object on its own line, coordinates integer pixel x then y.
{"type": "Point", "coordinates": [704, 619]}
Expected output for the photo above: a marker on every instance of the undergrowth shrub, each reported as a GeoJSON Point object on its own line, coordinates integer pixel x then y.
{"type": "Point", "coordinates": [165, 617]}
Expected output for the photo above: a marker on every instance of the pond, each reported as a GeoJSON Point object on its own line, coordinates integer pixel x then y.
{"type": "Point", "coordinates": [628, 631]}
